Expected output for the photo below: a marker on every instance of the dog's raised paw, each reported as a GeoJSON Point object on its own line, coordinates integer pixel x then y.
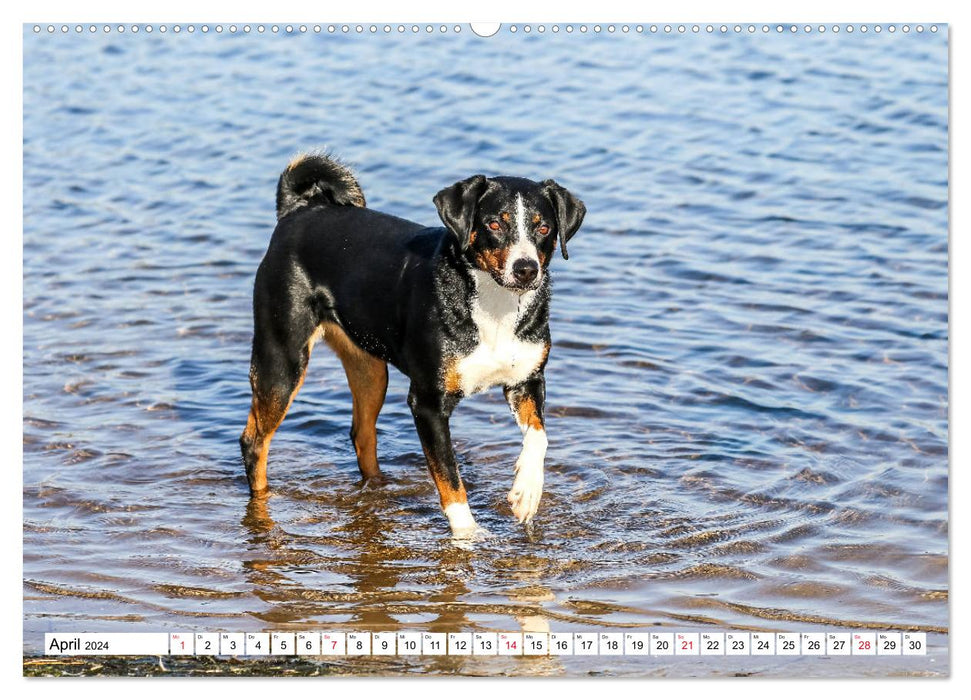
{"type": "Point", "coordinates": [527, 490]}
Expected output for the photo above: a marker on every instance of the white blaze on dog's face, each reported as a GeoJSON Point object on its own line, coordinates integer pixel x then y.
{"type": "Point", "coordinates": [522, 266]}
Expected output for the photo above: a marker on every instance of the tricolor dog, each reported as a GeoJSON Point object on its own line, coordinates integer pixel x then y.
{"type": "Point", "coordinates": [458, 310]}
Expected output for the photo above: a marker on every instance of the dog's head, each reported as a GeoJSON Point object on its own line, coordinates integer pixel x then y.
{"type": "Point", "coordinates": [509, 226]}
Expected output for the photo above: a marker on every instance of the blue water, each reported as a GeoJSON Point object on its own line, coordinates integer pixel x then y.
{"type": "Point", "coordinates": [748, 388]}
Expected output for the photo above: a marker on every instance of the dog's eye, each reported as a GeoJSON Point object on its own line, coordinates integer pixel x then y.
{"type": "Point", "coordinates": [494, 225]}
{"type": "Point", "coordinates": [543, 230]}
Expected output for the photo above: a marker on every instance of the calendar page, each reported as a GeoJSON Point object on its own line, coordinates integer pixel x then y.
{"type": "Point", "coordinates": [585, 349]}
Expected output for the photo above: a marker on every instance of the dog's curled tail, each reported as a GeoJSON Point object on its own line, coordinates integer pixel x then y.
{"type": "Point", "coordinates": [316, 178]}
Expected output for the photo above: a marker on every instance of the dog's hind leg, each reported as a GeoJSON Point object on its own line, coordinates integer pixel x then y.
{"type": "Point", "coordinates": [276, 374]}
{"type": "Point", "coordinates": [367, 378]}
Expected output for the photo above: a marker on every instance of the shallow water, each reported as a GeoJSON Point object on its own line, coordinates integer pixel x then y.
{"type": "Point", "coordinates": [747, 393]}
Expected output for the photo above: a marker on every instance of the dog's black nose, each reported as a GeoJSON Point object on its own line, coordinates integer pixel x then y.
{"type": "Point", "coordinates": [524, 271]}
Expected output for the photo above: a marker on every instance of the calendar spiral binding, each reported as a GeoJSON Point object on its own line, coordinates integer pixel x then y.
{"type": "Point", "coordinates": [271, 29]}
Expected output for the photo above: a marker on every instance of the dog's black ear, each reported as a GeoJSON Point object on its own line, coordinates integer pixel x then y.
{"type": "Point", "coordinates": [569, 212]}
{"type": "Point", "coordinates": [456, 205]}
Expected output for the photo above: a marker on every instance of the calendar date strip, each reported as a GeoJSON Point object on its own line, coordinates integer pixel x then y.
{"type": "Point", "coordinates": [346, 644]}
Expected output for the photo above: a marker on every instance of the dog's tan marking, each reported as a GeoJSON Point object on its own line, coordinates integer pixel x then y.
{"type": "Point", "coordinates": [367, 378]}
{"type": "Point", "coordinates": [452, 377]}
{"type": "Point", "coordinates": [492, 260]}
{"type": "Point", "coordinates": [505, 216]}
{"type": "Point", "coordinates": [536, 218]}
{"type": "Point", "coordinates": [472, 235]}
{"type": "Point", "coordinates": [265, 416]}
{"type": "Point", "coordinates": [448, 494]}
{"type": "Point", "coordinates": [455, 503]}
{"type": "Point", "coordinates": [527, 416]}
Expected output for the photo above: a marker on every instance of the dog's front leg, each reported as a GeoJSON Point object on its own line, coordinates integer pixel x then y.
{"type": "Point", "coordinates": [526, 401]}
{"type": "Point", "coordinates": [432, 410]}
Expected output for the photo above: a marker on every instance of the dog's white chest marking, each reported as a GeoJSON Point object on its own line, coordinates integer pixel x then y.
{"type": "Point", "coordinates": [500, 357]}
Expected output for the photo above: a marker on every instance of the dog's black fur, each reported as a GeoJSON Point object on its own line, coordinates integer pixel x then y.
{"type": "Point", "coordinates": [382, 290]}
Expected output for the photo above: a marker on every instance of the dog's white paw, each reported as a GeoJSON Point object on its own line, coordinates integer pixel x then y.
{"type": "Point", "coordinates": [463, 524]}
{"type": "Point", "coordinates": [527, 490]}
{"type": "Point", "coordinates": [469, 541]}
{"type": "Point", "coordinates": [465, 539]}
